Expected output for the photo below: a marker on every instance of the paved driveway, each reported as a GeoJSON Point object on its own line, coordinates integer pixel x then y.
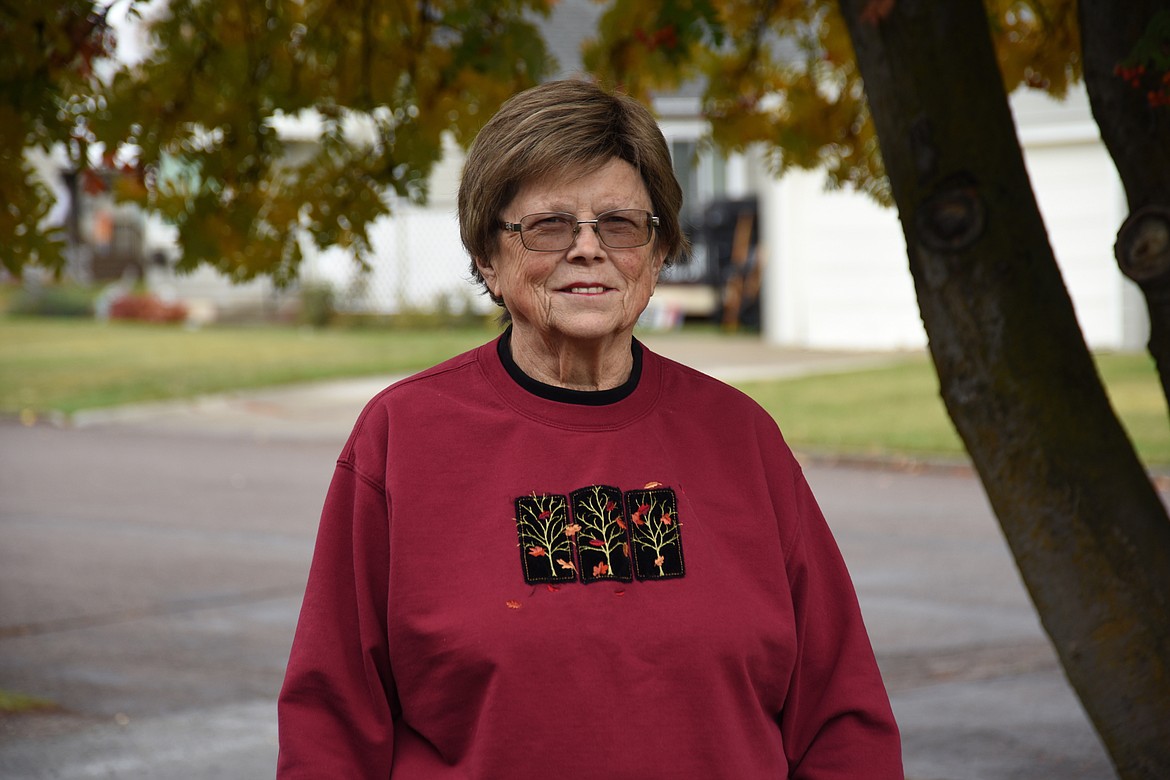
{"type": "Point", "coordinates": [150, 577]}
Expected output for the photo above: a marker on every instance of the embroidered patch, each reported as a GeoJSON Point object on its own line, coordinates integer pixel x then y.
{"type": "Point", "coordinates": [654, 528]}
{"type": "Point", "coordinates": [599, 528]}
{"type": "Point", "coordinates": [546, 552]}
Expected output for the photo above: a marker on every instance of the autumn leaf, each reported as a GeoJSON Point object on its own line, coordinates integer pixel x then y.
{"type": "Point", "coordinates": [659, 560]}
{"type": "Point", "coordinates": [621, 523]}
{"type": "Point", "coordinates": [544, 515]}
{"type": "Point", "coordinates": [600, 570]}
{"type": "Point", "coordinates": [572, 529]}
{"type": "Point", "coordinates": [566, 564]}
{"type": "Point", "coordinates": [596, 543]}
{"type": "Point", "coordinates": [610, 506]}
{"type": "Point", "coordinates": [875, 11]}
{"type": "Point", "coordinates": [536, 552]}
{"type": "Point", "coordinates": [637, 518]}
{"type": "Point", "coordinates": [650, 485]}
{"type": "Point", "coordinates": [552, 588]}
{"type": "Point", "coordinates": [666, 520]}
{"type": "Point", "coordinates": [512, 604]}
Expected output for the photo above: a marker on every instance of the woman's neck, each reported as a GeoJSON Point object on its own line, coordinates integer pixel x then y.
{"type": "Point", "coordinates": [596, 364]}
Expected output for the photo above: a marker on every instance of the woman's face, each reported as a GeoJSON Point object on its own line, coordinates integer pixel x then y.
{"type": "Point", "coordinates": [588, 291]}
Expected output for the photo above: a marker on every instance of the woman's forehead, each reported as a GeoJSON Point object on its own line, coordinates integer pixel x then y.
{"type": "Point", "coordinates": [613, 184]}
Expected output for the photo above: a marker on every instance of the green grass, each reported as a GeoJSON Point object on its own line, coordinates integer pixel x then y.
{"type": "Point", "coordinates": [56, 365]}
{"type": "Point", "coordinates": [61, 366]}
{"type": "Point", "coordinates": [896, 410]}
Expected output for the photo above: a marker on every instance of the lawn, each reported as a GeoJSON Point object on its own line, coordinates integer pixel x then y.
{"type": "Point", "coordinates": [896, 410]}
{"type": "Point", "coordinates": [59, 366]}
{"type": "Point", "coordinates": [63, 365]}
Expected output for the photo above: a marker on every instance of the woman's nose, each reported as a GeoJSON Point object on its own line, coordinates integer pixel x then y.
{"type": "Point", "coordinates": [587, 243]}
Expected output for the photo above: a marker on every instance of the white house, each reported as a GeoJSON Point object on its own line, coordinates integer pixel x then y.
{"type": "Point", "coordinates": [837, 274]}
{"type": "Point", "coordinates": [834, 268]}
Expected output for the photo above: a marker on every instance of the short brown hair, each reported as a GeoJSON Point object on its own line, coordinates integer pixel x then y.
{"type": "Point", "coordinates": [553, 127]}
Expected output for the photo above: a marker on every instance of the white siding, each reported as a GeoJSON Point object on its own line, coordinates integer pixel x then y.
{"type": "Point", "coordinates": [838, 276]}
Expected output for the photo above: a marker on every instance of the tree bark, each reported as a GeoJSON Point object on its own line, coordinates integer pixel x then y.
{"type": "Point", "coordinates": [1136, 130]}
{"type": "Point", "coordinates": [1086, 527]}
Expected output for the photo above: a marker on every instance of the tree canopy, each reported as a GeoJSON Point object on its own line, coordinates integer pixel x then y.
{"type": "Point", "coordinates": [194, 125]}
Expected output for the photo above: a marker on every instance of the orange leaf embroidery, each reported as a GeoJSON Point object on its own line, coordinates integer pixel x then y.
{"type": "Point", "coordinates": [652, 485]}
{"type": "Point", "coordinates": [536, 552]}
{"type": "Point", "coordinates": [596, 543]}
{"type": "Point", "coordinates": [572, 529]}
{"type": "Point", "coordinates": [666, 519]}
{"type": "Point", "coordinates": [659, 560]}
{"type": "Point", "coordinates": [512, 604]}
{"type": "Point", "coordinates": [600, 570]}
{"type": "Point", "coordinates": [566, 564]}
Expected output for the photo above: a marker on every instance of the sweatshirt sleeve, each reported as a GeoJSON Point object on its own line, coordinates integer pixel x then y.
{"type": "Point", "coordinates": [837, 722]}
{"type": "Point", "coordinates": [335, 708]}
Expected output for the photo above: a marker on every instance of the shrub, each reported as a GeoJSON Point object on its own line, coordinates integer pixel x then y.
{"type": "Point", "coordinates": [52, 301]}
{"type": "Point", "coordinates": [146, 307]}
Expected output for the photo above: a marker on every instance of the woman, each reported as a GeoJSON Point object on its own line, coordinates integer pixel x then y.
{"type": "Point", "coordinates": [559, 554]}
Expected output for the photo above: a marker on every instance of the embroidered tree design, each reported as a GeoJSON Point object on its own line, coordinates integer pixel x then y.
{"type": "Point", "coordinates": [656, 530]}
{"type": "Point", "coordinates": [541, 521]}
{"type": "Point", "coordinates": [600, 529]}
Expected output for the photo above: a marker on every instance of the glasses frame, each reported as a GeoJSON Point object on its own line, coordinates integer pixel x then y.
{"type": "Point", "coordinates": [518, 227]}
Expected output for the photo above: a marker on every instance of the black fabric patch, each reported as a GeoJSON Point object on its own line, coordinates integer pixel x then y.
{"type": "Point", "coordinates": [654, 527]}
{"type": "Point", "coordinates": [546, 550]}
{"type": "Point", "coordinates": [599, 529]}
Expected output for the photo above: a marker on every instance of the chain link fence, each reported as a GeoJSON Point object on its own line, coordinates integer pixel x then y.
{"type": "Point", "coordinates": [418, 265]}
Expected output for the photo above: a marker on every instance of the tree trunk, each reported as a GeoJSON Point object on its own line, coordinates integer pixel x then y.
{"type": "Point", "coordinates": [1087, 529]}
{"type": "Point", "coordinates": [1135, 127]}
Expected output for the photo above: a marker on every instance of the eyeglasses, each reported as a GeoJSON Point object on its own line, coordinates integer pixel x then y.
{"type": "Point", "coordinates": [554, 231]}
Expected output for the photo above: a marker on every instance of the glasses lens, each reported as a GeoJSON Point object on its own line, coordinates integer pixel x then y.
{"type": "Point", "coordinates": [554, 231]}
{"type": "Point", "coordinates": [547, 232]}
{"type": "Point", "coordinates": [625, 228]}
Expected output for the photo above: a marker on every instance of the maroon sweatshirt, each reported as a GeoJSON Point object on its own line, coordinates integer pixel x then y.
{"type": "Point", "coordinates": [515, 582]}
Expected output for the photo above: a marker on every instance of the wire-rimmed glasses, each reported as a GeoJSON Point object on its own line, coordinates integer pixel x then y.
{"type": "Point", "coordinates": [555, 231]}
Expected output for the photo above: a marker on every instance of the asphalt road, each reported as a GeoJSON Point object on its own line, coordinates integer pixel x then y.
{"type": "Point", "coordinates": [150, 578]}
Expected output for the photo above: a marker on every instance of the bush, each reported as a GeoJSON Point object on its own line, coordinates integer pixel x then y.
{"type": "Point", "coordinates": [52, 301]}
{"type": "Point", "coordinates": [317, 304]}
{"type": "Point", "coordinates": [146, 307]}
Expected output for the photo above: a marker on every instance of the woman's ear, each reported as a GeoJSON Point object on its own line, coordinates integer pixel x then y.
{"type": "Point", "coordinates": [488, 272]}
{"type": "Point", "coordinates": [657, 260]}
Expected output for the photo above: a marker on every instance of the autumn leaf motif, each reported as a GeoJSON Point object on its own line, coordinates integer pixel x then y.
{"type": "Point", "coordinates": [601, 537]}
{"type": "Point", "coordinates": [512, 604]}
{"type": "Point", "coordinates": [566, 564]}
{"type": "Point", "coordinates": [572, 529]}
{"type": "Point", "coordinates": [542, 524]}
{"type": "Point", "coordinates": [639, 514]}
{"type": "Point", "coordinates": [657, 546]}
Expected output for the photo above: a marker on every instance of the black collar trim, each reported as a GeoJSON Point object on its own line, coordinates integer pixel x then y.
{"type": "Point", "coordinates": [564, 394]}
